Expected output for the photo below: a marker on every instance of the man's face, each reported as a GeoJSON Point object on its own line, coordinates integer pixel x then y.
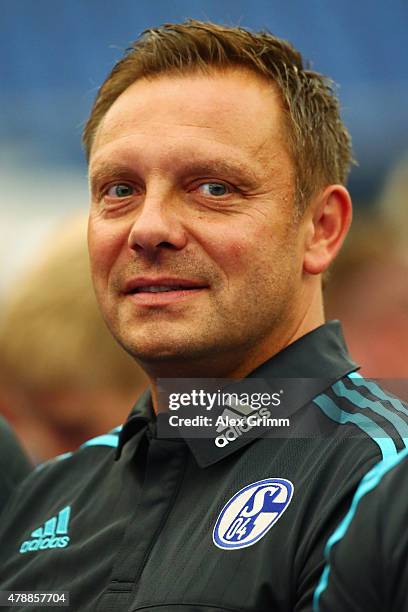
{"type": "Point", "coordinates": [194, 248]}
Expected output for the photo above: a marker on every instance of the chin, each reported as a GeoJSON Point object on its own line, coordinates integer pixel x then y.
{"type": "Point", "coordinates": [150, 349]}
{"type": "Point", "coordinates": [170, 350]}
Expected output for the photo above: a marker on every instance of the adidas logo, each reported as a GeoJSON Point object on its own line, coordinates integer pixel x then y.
{"type": "Point", "coordinates": [52, 535]}
{"type": "Point", "coordinates": [236, 420]}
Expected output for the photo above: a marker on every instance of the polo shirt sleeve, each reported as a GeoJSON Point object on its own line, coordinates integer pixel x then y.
{"type": "Point", "coordinates": [367, 568]}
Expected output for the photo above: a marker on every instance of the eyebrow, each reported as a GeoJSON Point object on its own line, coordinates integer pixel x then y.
{"type": "Point", "coordinates": [240, 172]}
{"type": "Point", "coordinates": [113, 169]}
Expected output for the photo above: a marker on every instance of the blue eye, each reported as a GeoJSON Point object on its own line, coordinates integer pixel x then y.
{"type": "Point", "coordinates": [214, 189]}
{"type": "Point", "coordinates": [120, 190]}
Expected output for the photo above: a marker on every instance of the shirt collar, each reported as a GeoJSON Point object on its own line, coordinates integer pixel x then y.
{"type": "Point", "coordinates": [320, 354]}
{"type": "Point", "coordinates": [142, 416]}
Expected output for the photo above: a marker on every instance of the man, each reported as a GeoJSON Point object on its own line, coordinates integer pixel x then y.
{"type": "Point", "coordinates": [217, 165]}
{"type": "Point", "coordinates": [14, 465]}
{"type": "Point", "coordinates": [367, 565]}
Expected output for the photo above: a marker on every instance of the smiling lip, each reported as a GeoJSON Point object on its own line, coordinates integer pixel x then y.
{"type": "Point", "coordinates": [161, 291]}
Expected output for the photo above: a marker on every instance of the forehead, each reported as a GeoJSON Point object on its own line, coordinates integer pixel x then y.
{"type": "Point", "coordinates": [234, 109]}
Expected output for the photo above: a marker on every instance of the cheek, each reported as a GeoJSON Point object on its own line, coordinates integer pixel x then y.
{"type": "Point", "coordinates": [236, 252]}
{"type": "Point", "coordinates": [105, 244]}
{"type": "Point", "coordinates": [241, 255]}
{"type": "Point", "coordinates": [230, 252]}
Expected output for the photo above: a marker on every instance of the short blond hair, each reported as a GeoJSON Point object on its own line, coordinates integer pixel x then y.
{"type": "Point", "coordinates": [319, 142]}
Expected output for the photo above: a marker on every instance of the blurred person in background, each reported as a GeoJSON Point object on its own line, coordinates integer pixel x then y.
{"type": "Point", "coordinates": [14, 464]}
{"type": "Point", "coordinates": [63, 379]}
{"type": "Point", "coordinates": [392, 205]}
{"type": "Point", "coordinates": [367, 289]}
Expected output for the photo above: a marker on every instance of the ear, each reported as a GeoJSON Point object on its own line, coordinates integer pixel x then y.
{"type": "Point", "coordinates": [328, 222]}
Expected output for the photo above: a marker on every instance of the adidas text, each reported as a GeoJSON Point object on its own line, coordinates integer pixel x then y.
{"type": "Point", "coordinates": [43, 543]}
{"type": "Point", "coordinates": [235, 430]}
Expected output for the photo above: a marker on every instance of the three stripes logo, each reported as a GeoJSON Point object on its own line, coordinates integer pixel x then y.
{"type": "Point", "coordinates": [54, 533]}
{"type": "Point", "coordinates": [234, 422]}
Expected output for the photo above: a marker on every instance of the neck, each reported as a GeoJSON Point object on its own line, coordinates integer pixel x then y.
{"type": "Point", "coordinates": [242, 362]}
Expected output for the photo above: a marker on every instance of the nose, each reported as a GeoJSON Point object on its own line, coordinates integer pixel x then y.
{"type": "Point", "coordinates": [158, 226]}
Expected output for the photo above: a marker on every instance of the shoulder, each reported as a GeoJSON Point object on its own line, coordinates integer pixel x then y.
{"type": "Point", "coordinates": [9, 445]}
{"type": "Point", "coordinates": [362, 407]}
{"type": "Point", "coordinates": [87, 466]}
{"type": "Point", "coordinates": [87, 459]}
{"type": "Point", "coordinates": [14, 464]}
{"type": "Point", "coordinates": [381, 502]}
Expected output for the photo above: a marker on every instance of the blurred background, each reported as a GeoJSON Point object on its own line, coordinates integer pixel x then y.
{"type": "Point", "coordinates": [54, 56]}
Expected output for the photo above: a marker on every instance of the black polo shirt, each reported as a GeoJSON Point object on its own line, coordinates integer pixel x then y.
{"type": "Point", "coordinates": [150, 530]}
{"type": "Point", "coordinates": [14, 464]}
{"type": "Point", "coordinates": [367, 556]}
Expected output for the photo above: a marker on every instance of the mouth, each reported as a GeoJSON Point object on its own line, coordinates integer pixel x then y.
{"type": "Point", "coordinates": [156, 292]}
{"type": "Point", "coordinates": [161, 289]}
